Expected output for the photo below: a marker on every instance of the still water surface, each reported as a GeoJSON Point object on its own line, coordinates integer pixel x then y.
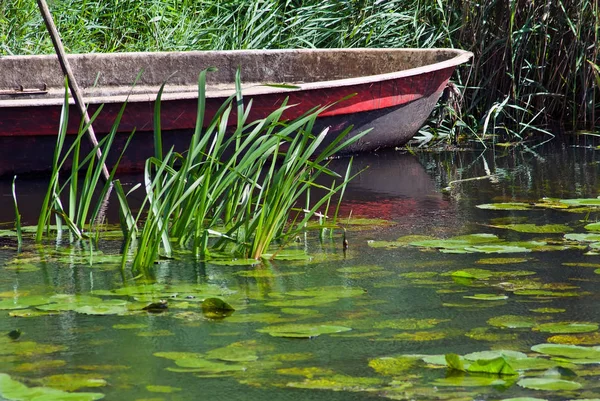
{"type": "Point", "coordinates": [397, 300]}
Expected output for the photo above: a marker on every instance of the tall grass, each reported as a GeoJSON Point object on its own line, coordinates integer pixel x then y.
{"type": "Point", "coordinates": [530, 70]}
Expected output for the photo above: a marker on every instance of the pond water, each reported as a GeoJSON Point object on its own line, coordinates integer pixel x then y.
{"type": "Point", "coordinates": [377, 321]}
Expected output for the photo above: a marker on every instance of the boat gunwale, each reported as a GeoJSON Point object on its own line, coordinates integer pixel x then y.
{"type": "Point", "coordinates": [253, 89]}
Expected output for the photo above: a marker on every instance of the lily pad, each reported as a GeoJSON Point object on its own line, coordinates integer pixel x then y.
{"type": "Point", "coordinates": [72, 381]}
{"type": "Point", "coordinates": [567, 327]}
{"type": "Point", "coordinates": [470, 381]}
{"type": "Point", "coordinates": [497, 249]}
{"type": "Point", "coordinates": [236, 352]}
{"type": "Point", "coordinates": [420, 336]}
{"type": "Point", "coordinates": [568, 351]}
{"type": "Point", "coordinates": [486, 297]}
{"type": "Point", "coordinates": [499, 366]}
{"type": "Point", "coordinates": [513, 321]}
{"type": "Point", "coordinates": [23, 302]}
{"type": "Point", "coordinates": [582, 339]}
{"type": "Point", "coordinates": [302, 330]}
{"type": "Point", "coordinates": [208, 367]}
{"type": "Point", "coordinates": [535, 229]}
{"type": "Point", "coordinates": [393, 366]}
{"type": "Point", "coordinates": [583, 237]}
{"type": "Point", "coordinates": [340, 383]}
{"type": "Point", "coordinates": [548, 310]}
{"type": "Point", "coordinates": [505, 206]}
{"type": "Point", "coordinates": [550, 384]}
{"type": "Point", "coordinates": [409, 324]}
{"type": "Point", "coordinates": [39, 365]}
{"type": "Point", "coordinates": [102, 309]}
{"type": "Point", "coordinates": [501, 261]}
{"type": "Point", "coordinates": [13, 390]}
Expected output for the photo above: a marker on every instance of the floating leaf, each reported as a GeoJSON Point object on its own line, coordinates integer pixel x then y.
{"type": "Point", "coordinates": [486, 297]}
{"type": "Point", "coordinates": [299, 311]}
{"type": "Point", "coordinates": [409, 324]}
{"type": "Point", "coordinates": [585, 237]}
{"type": "Point", "coordinates": [470, 381]}
{"type": "Point", "coordinates": [29, 313]}
{"type": "Point", "coordinates": [524, 399]}
{"type": "Point", "coordinates": [585, 339]}
{"type": "Point", "coordinates": [505, 206]}
{"type": "Point", "coordinates": [550, 384]}
{"type": "Point", "coordinates": [497, 365]}
{"type": "Point", "coordinates": [549, 294]}
{"type": "Point", "coordinates": [23, 302]}
{"type": "Point", "coordinates": [102, 309]}
{"type": "Point", "coordinates": [339, 383]}
{"type": "Point", "coordinates": [501, 261]}
{"type": "Point", "coordinates": [548, 310]}
{"type": "Point", "coordinates": [302, 330]}
{"type": "Point", "coordinates": [485, 334]}
{"type": "Point", "coordinates": [72, 381]}
{"type": "Point", "coordinates": [420, 336]}
{"type": "Point", "coordinates": [512, 321]}
{"type": "Point", "coordinates": [309, 372]}
{"type": "Point", "coordinates": [581, 202]}
{"type": "Point", "coordinates": [454, 361]}
{"type": "Point", "coordinates": [568, 351]}
{"type": "Point", "coordinates": [13, 390]}
{"type": "Point", "coordinates": [236, 352]}
{"type": "Point", "coordinates": [474, 356]}
{"type": "Point", "coordinates": [204, 366]}
{"type": "Point", "coordinates": [178, 355]}
{"type": "Point", "coordinates": [567, 327]}
{"type": "Point", "coordinates": [393, 366]}
{"type": "Point", "coordinates": [39, 365]}
{"type": "Point", "coordinates": [535, 229]}
{"type": "Point", "coordinates": [328, 292]}
{"type": "Point", "coordinates": [288, 254]}
{"type": "Point", "coordinates": [496, 249]}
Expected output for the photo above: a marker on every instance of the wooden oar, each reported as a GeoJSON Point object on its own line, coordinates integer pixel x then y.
{"type": "Point", "coordinates": [66, 68]}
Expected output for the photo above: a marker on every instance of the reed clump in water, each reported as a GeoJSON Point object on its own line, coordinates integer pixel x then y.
{"type": "Point", "coordinates": [230, 194]}
{"type": "Point", "coordinates": [530, 69]}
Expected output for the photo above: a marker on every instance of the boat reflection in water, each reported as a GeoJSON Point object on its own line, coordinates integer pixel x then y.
{"type": "Point", "coordinates": [395, 186]}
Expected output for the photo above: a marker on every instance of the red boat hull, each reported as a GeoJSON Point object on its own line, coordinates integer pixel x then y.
{"type": "Point", "coordinates": [394, 107]}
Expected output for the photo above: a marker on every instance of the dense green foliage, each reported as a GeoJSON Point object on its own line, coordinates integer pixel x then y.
{"type": "Point", "coordinates": [533, 66]}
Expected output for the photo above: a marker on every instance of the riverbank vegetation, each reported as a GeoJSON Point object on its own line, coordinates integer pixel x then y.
{"type": "Point", "coordinates": [534, 70]}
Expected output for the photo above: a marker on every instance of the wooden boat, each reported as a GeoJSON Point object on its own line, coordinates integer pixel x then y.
{"type": "Point", "coordinates": [395, 91]}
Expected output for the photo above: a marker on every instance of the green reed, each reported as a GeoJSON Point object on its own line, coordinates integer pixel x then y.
{"type": "Point", "coordinates": [83, 182]}
{"type": "Point", "coordinates": [235, 191]}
